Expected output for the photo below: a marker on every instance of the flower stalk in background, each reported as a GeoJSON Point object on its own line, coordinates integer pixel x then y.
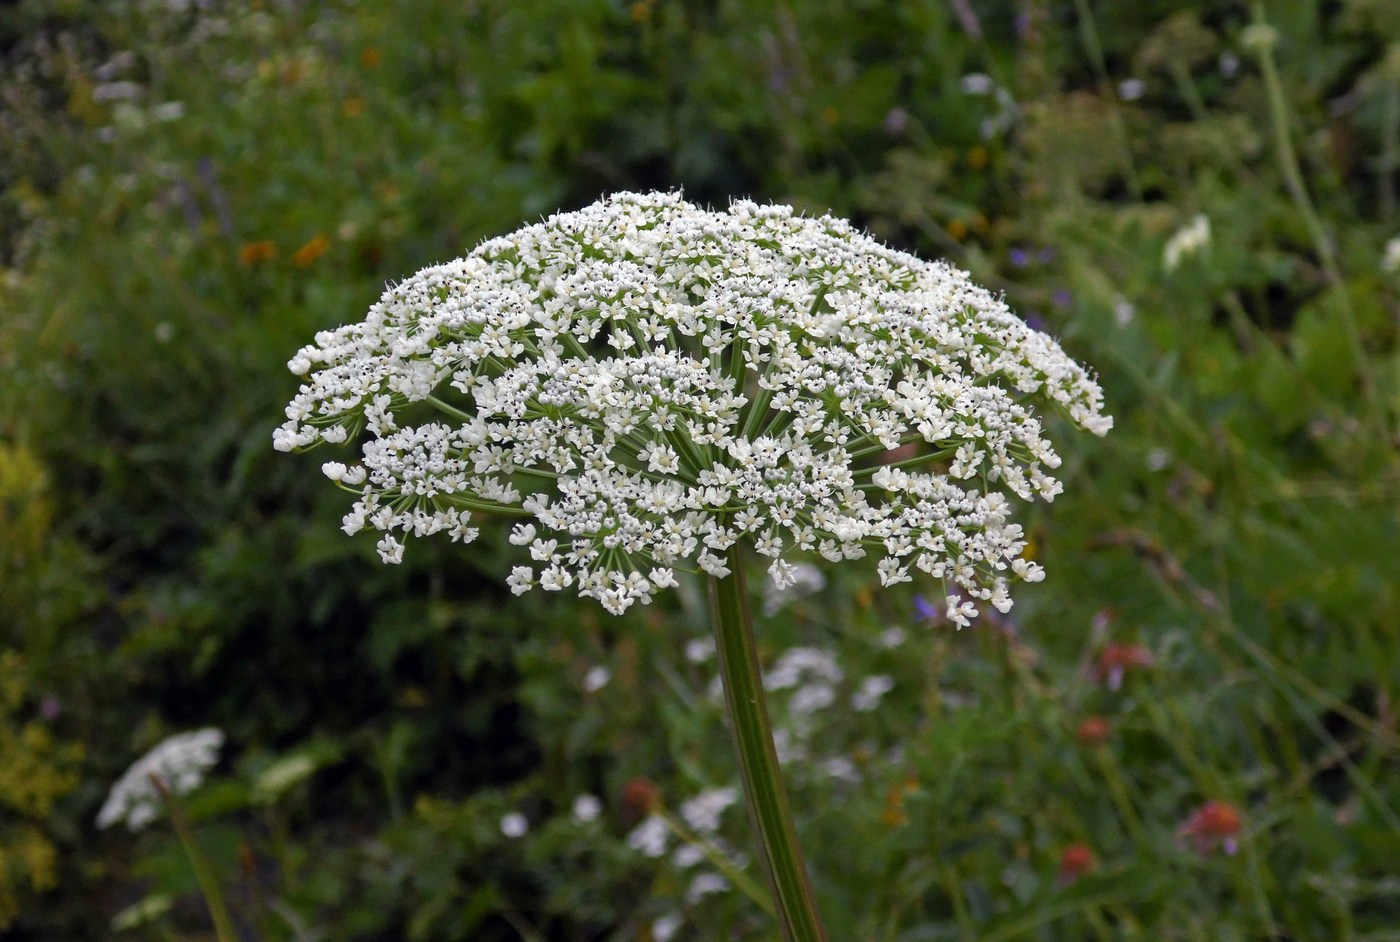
{"type": "Point", "coordinates": [175, 767]}
{"type": "Point", "coordinates": [649, 386]}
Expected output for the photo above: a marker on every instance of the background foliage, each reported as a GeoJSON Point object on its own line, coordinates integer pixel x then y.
{"type": "Point", "coordinates": [1187, 732]}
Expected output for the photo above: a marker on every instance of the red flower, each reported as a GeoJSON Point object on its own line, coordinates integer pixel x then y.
{"type": "Point", "coordinates": [1117, 659]}
{"type": "Point", "coordinates": [641, 796]}
{"type": "Point", "coordinates": [1075, 861]}
{"type": "Point", "coordinates": [1094, 731]}
{"type": "Point", "coordinates": [1213, 826]}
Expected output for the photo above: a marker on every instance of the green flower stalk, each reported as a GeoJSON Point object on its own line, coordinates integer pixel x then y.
{"type": "Point", "coordinates": [650, 387]}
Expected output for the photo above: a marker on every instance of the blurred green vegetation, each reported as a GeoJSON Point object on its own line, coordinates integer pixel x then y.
{"type": "Point", "coordinates": [189, 189]}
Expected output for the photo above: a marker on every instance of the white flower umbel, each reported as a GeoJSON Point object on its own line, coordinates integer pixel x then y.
{"type": "Point", "coordinates": [645, 383]}
{"type": "Point", "coordinates": [180, 763]}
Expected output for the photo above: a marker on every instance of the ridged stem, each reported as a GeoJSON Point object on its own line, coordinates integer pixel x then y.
{"type": "Point", "coordinates": [208, 881]}
{"type": "Point", "coordinates": [767, 800]}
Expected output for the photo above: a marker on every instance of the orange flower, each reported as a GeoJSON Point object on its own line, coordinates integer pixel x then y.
{"type": "Point", "coordinates": [253, 252]}
{"type": "Point", "coordinates": [370, 57]}
{"type": "Point", "coordinates": [894, 802]}
{"type": "Point", "coordinates": [353, 107]}
{"type": "Point", "coordinates": [957, 229]}
{"type": "Point", "coordinates": [1116, 659]}
{"type": "Point", "coordinates": [1075, 861]}
{"type": "Point", "coordinates": [1213, 826]}
{"type": "Point", "coordinates": [1094, 731]}
{"type": "Point", "coordinates": [312, 250]}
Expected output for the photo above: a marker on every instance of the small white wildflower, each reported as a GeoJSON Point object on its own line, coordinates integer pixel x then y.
{"type": "Point", "coordinates": [687, 855]}
{"type": "Point", "coordinates": [892, 637]}
{"type": "Point", "coordinates": [168, 111]}
{"type": "Point", "coordinates": [703, 885]}
{"type": "Point", "coordinates": [665, 928]}
{"type": "Point", "coordinates": [703, 811]}
{"type": "Point", "coordinates": [646, 384]}
{"type": "Point", "coordinates": [1027, 570]}
{"type": "Point", "coordinates": [597, 678]}
{"type": "Point", "coordinates": [179, 762]}
{"type": "Point", "coordinates": [699, 650]}
{"type": "Point", "coordinates": [811, 698]}
{"type": "Point", "coordinates": [587, 808]}
{"type": "Point", "coordinates": [789, 582]}
{"type": "Point", "coordinates": [390, 549]}
{"type": "Point", "coordinates": [977, 83]}
{"type": "Point", "coordinates": [871, 691]}
{"type": "Point", "coordinates": [960, 611]}
{"type": "Point", "coordinates": [1191, 239]}
{"type": "Point", "coordinates": [1390, 261]}
{"type": "Point", "coordinates": [515, 825]}
{"type": "Point", "coordinates": [841, 769]}
{"type": "Point", "coordinates": [1123, 312]}
{"type": "Point", "coordinates": [798, 664]}
{"type": "Point", "coordinates": [520, 580]}
{"type": "Point", "coordinates": [1131, 89]}
{"type": "Point", "coordinates": [117, 91]}
{"type": "Point", "coordinates": [650, 837]}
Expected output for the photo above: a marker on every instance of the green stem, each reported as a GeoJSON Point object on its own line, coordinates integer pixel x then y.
{"type": "Point", "coordinates": [208, 882]}
{"type": "Point", "coordinates": [1297, 188]}
{"type": "Point", "coordinates": [764, 793]}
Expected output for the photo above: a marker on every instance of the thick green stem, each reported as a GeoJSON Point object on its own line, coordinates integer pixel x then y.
{"type": "Point", "coordinates": [758, 759]}
{"type": "Point", "coordinates": [208, 881]}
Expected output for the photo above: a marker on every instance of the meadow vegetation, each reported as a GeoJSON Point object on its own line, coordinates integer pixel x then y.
{"type": "Point", "coordinates": [1188, 731]}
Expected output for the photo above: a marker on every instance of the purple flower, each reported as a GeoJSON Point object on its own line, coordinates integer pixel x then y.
{"type": "Point", "coordinates": [926, 609]}
{"type": "Point", "coordinates": [1019, 257]}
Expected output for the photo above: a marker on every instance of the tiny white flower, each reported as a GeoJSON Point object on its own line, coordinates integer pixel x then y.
{"type": "Point", "coordinates": [699, 650]}
{"type": "Point", "coordinates": [390, 549]}
{"type": "Point", "coordinates": [664, 929]}
{"type": "Point", "coordinates": [587, 808]}
{"type": "Point", "coordinates": [811, 698]}
{"type": "Point", "coordinates": [892, 637]}
{"type": "Point", "coordinates": [520, 580]}
{"type": "Point", "coordinates": [650, 837]}
{"type": "Point", "coordinates": [515, 825]}
{"type": "Point", "coordinates": [687, 855]}
{"type": "Point", "coordinates": [1131, 89]}
{"type": "Point", "coordinates": [703, 811]}
{"type": "Point", "coordinates": [871, 691]}
{"type": "Point", "coordinates": [1192, 239]}
{"type": "Point", "coordinates": [977, 83]}
{"type": "Point", "coordinates": [597, 678]}
{"type": "Point", "coordinates": [703, 885]}
{"type": "Point", "coordinates": [1390, 261]}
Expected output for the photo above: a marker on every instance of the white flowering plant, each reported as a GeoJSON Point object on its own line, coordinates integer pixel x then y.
{"type": "Point", "coordinates": [647, 383]}
{"type": "Point", "coordinates": [649, 386]}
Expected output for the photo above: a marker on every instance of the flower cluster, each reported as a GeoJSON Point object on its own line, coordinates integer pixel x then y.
{"type": "Point", "coordinates": [179, 763]}
{"type": "Point", "coordinates": [647, 383]}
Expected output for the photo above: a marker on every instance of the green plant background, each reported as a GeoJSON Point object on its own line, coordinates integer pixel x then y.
{"type": "Point", "coordinates": [192, 189]}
